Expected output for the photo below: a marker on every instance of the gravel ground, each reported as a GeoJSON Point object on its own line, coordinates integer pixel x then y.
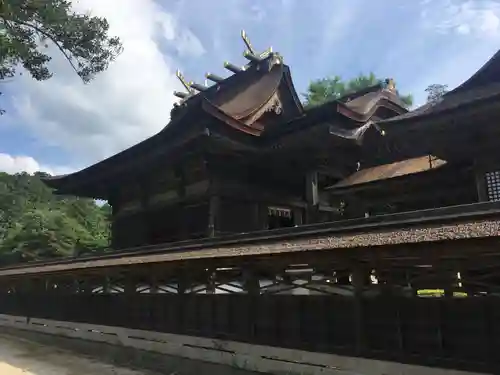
{"type": "Point", "coordinates": [22, 357]}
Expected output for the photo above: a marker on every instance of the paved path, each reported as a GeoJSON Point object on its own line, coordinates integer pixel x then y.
{"type": "Point", "coordinates": [22, 357]}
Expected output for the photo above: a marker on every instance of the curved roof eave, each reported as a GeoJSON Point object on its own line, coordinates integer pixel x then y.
{"type": "Point", "coordinates": [446, 105]}
{"type": "Point", "coordinates": [57, 181]}
{"type": "Point", "coordinates": [287, 74]}
{"type": "Point", "coordinates": [123, 156]}
{"type": "Point", "coordinates": [488, 73]}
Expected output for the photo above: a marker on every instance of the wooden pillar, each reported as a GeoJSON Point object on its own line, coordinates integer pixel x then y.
{"type": "Point", "coordinates": [129, 285]}
{"type": "Point", "coordinates": [312, 196]}
{"type": "Point", "coordinates": [211, 278]}
{"type": "Point", "coordinates": [450, 282]}
{"type": "Point", "coordinates": [251, 282]}
{"type": "Point", "coordinates": [182, 282]}
{"type": "Point", "coordinates": [213, 213]}
{"type": "Point", "coordinates": [358, 281]}
{"type": "Point", "coordinates": [85, 285]}
{"type": "Point", "coordinates": [480, 178]}
{"type": "Point", "coordinates": [386, 286]}
{"type": "Point", "coordinates": [153, 284]}
{"type": "Point", "coordinates": [106, 287]}
{"type": "Point", "coordinates": [145, 226]}
{"type": "Point", "coordinates": [262, 216]}
{"type": "Point", "coordinates": [297, 216]}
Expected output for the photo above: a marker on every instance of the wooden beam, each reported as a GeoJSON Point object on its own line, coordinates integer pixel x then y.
{"type": "Point", "coordinates": [256, 193]}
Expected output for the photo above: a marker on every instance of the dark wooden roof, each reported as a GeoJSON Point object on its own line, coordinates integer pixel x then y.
{"type": "Point", "coordinates": [156, 146]}
{"type": "Point", "coordinates": [488, 73]}
{"type": "Point", "coordinates": [257, 108]}
{"type": "Point", "coordinates": [369, 104]}
{"type": "Point", "coordinates": [389, 171]}
{"type": "Point", "coordinates": [484, 85]}
{"type": "Point", "coordinates": [238, 102]}
{"type": "Point", "coordinates": [454, 100]}
{"type": "Point", "coordinates": [243, 98]}
{"type": "Point", "coordinates": [446, 128]}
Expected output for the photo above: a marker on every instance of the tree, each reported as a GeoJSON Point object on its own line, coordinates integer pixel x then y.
{"type": "Point", "coordinates": [36, 224]}
{"type": "Point", "coordinates": [435, 92]}
{"type": "Point", "coordinates": [44, 234]}
{"type": "Point", "coordinates": [331, 88]}
{"type": "Point", "coordinates": [28, 26]}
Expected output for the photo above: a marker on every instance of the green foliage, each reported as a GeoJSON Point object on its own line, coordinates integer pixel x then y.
{"type": "Point", "coordinates": [26, 27]}
{"type": "Point", "coordinates": [29, 27]}
{"type": "Point", "coordinates": [435, 92]}
{"type": "Point", "coordinates": [323, 90]}
{"type": "Point", "coordinates": [35, 224]}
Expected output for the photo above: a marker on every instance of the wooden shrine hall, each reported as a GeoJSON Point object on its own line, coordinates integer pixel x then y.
{"type": "Point", "coordinates": [244, 155]}
{"type": "Point", "coordinates": [258, 233]}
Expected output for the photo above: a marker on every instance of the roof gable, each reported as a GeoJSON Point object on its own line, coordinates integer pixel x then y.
{"type": "Point", "coordinates": [260, 96]}
{"type": "Point", "coordinates": [256, 95]}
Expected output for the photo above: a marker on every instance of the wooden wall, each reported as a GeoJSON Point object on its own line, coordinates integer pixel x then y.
{"type": "Point", "coordinates": [445, 332]}
{"type": "Point", "coordinates": [237, 216]}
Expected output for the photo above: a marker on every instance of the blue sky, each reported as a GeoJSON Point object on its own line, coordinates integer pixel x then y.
{"type": "Point", "coordinates": [61, 125]}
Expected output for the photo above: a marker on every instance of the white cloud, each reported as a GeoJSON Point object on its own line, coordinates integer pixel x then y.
{"type": "Point", "coordinates": [465, 17]}
{"type": "Point", "coordinates": [125, 104]}
{"type": "Point", "coordinates": [16, 164]}
{"type": "Point", "coordinates": [335, 28]}
{"type": "Point", "coordinates": [418, 43]}
{"type": "Point", "coordinates": [456, 37]}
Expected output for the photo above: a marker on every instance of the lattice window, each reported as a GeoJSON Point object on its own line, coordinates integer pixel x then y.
{"type": "Point", "coordinates": [493, 185]}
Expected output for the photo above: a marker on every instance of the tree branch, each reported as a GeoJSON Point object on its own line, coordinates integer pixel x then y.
{"type": "Point", "coordinates": [46, 34]}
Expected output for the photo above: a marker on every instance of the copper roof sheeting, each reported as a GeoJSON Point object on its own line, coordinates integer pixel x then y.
{"type": "Point", "coordinates": [243, 98]}
{"type": "Point", "coordinates": [429, 233]}
{"type": "Point", "coordinates": [253, 89]}
{"type": "Point", "coordinates": [387, 171]}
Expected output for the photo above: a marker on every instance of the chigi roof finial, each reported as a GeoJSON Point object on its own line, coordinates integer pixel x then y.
{"type": "Point", "coordinates": [247, 42]}
{"type": "Point", "coordinates": [250, 54]}
{"type": "Point", "coordinates": [187, 86]}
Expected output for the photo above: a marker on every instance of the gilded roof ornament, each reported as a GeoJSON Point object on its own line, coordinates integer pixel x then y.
{"type": "Point", "coordinates": [390, 84]}
{"type": "Point", "coordinates": [186, 85]}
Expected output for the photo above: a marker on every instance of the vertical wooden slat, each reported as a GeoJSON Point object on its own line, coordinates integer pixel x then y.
{"type": "Point", "coordinates": [358, 285]}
